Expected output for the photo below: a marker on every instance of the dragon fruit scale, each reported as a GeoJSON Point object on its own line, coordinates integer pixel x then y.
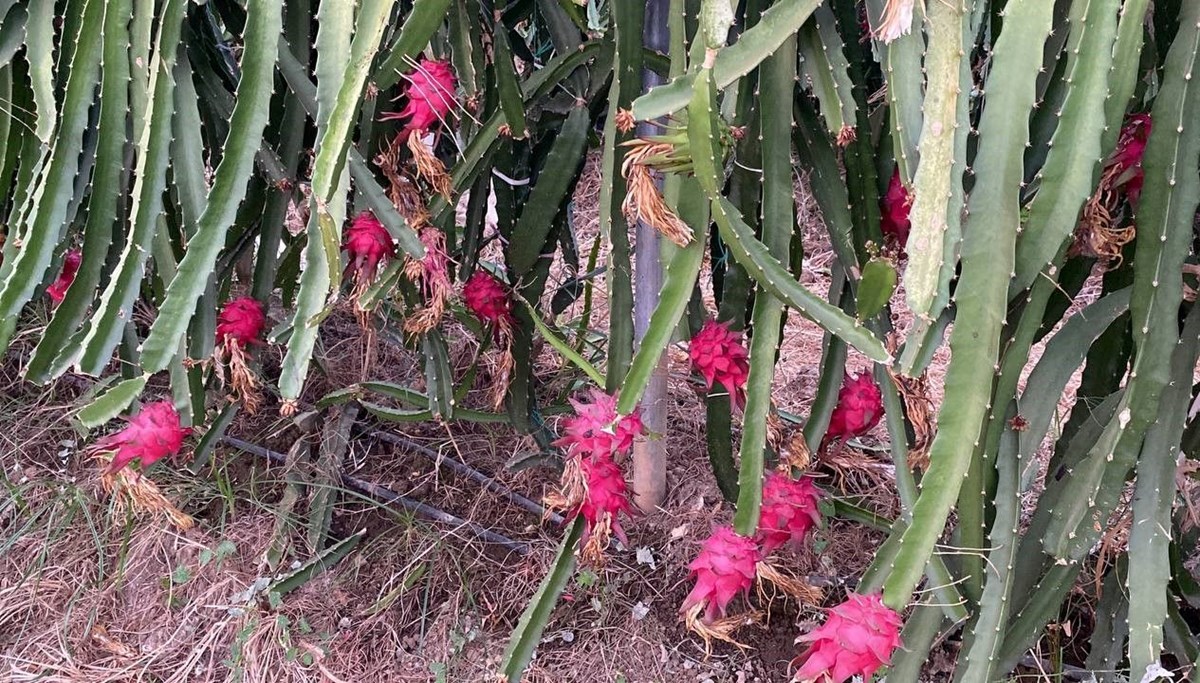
{"type": "Point", "coordinates": [368, 244]}
{"type": "Point", "coordinates": [57, 291]}
{"type": "Point", "coordinates": [607, 495]}
{"type": "Point", "coordinates": [894, 208]}
{"type": "Point", "coordinates": [487, 298]}
{"type": "Point", "coordinates": [241, 321]}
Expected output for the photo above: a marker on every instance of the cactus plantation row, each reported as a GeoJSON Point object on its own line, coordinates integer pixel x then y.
{"type": "Point", "coordinates": [189, 185]}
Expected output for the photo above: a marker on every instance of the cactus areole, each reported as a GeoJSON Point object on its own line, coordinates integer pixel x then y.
{"type": "Point", "coordinates": [150, 436]}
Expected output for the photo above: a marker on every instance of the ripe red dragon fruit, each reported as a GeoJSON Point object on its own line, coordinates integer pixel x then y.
{"type": "Point", "coordinates": [894, 207]}
{"type": "Point", "coordinates": [368, 244]}
{"type": "Point", "coordinates": [596, 431]}
{"type": "Point", "coordinates": [151, 435]}
{"type": "Point", "coordinates": [725, 567]}
{"type": "Point", "coordinates": [719, 356]}
{"type": "Point", "coordinates": [1126, 161]}
{"type": "Point", "coordinates": [430, 94]}
{"type": "Point", "coordinates": [856, 640]}
{"type": "Point", "coordinates": [488, 299]}
{"type": "Point", "coordinates": [789, 510]}
{"type": "Point", "coordinates": [606, 496]}
{"type": "Point", "coordinates": [57, 291]}
{"type": "Point", "coordinates": [858, 410]}
{"type": "Point", "coordinates": [241, 321]}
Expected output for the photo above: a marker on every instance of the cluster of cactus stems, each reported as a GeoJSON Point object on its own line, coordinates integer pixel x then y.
{"type": "Point", "coordinates": [152, 178]}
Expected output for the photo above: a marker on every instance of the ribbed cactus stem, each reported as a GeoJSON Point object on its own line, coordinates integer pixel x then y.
{"type": "Point", "coordinates": [986, 265]}
{"type": "Point", "coordinates": [937, 173]}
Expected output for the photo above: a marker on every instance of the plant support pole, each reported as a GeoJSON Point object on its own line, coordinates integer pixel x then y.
{"type": "Point", "coordinates": [650, 454]}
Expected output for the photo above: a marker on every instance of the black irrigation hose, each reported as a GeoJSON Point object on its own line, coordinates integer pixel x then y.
{"type": "Point", "coordinates": [484, 480]}
{"type": "Point", "coordinates": [386, 495]}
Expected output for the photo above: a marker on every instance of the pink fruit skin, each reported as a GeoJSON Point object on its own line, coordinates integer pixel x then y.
{"type": "Point", "coordinates": [789, 511]}
{"type": "Point", "coordinates": [718, 355]}
{"type": "Point", "coordinates": [368, 244]}
{"type": "Point", "coordinates": [151, 435]}
{"type": "Point", "coordinates": [856, 640]}
{"type": "Point", "coordinates": [488, 299]}
{"type": "Point", "coordinates": [859, 408]}
{"type": "Point", "coordinates": [1131, 146]}
{"type": "Point", "coordinates": [430, 95]}
{"type": "Point", "coordinates": [241, 320]}
{"type": "Point", "coordinates": [607, 493]}
{"type": "Point", "coordinates": [596, 431]}
{"type": "Point", "coordinates": [57, 291]}
{"type": "Point", "coordinates": [725, 567]}
{"type": "Point", "coordinates": [894, 208]}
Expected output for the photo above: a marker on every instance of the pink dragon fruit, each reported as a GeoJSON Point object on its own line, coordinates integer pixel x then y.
{"type": "Point", "coordinates": [151, 435]}
{"type": "Point", "coordinates": [856, 640]}
{"type": "Point", "coordinates": [488, 299]}
{"type": "Point", "coordinates": [718, 355]}
{"type": "Point", "coordinates": [725, 567]}
{"type": "Point", "coordinates": [241, 321]}
{"type": "Point", "coordinates": [1126, 161]}
{"type": "Point", "coordinates": [859, 408]}
{"type": "Point", "coordinates": [430, 94]}
{"type": "Point", "coordinates": [606, 496]}
{"type": "Point", "coordinates": [596, 431]}
{"type": "Point", "coordinates": [789, 510]}
{"type": "Point", "coordinates": [368, 244]}
{"type": "Point", "coordinates": [57, 291]}
{"type": "Point", "coordinates": [894, 207]}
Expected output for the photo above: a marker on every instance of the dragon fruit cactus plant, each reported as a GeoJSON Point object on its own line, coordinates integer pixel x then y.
{"type": "Point", "coordinates": [857, 639]}
{"type": "Point", "coordinates": [719, 356]}
{"type": "Point", "coordinates": [790, 509]}
{"type": "Point", "coordinates": [724, 568]}
{"type": "Point", "coordinates": [151, 435]}
{"type": "Point", "coordinates": [859, 408]}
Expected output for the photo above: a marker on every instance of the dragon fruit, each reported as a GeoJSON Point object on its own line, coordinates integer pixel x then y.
{"type": "Point", "coordinates": [789, 510]}
{"type": "Point", "coordinates": [488, 299]}
{"type": "Point", "coordinates": [859, 408]}
{"type": "Point", "coordinates": [856, 640]}
{"type": "Point", "coordinates": [596, 431]}
{"type": "Point", "coordinates": [1126, 161]}
{"type": "Point", "coordinates": [894, 207]}
{"type": "Point", "coordinates": [725, 567]}
{"type": "Point", "coordinates": [718, 355]}
{"type": "Point", "coordinates": [606, 496]}
{"type": "Point", "coordinates": [241, 321]}
{"type": "Point", "coordinates": [368, 244]}
{"type": "Point", "coordinates": [57, 291]}
{"type": "Point", "coordinates": [151, 435]}
{"type": "Point", "coordinates": [430, 94]}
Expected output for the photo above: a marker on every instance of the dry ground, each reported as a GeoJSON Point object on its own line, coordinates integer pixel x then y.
{"type": "Point", "coordinates": [91, 591]}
